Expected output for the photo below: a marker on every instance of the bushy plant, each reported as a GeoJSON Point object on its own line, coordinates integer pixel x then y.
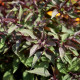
{"type": "Point", "coordinates": [39, 40]}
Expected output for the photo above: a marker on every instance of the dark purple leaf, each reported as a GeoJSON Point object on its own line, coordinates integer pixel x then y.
{"type": "Point", "coordinates": [9, 20]}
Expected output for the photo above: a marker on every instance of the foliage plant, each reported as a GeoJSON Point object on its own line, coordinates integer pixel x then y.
{"type": "Point", "coordinates": [39, 40]}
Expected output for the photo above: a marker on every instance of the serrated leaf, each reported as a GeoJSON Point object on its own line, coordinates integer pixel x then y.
{"type": "Point", "coordinates": [40, 71]}
{"type": "Point", "coordinates": [33, 49]}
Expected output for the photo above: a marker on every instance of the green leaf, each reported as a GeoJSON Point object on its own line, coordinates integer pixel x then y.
{"type": "Point", "coordinates": [36, 57]}
{"type": "Point", "coordinates": [44, 64]}
{"type": "Point", "coordinates": [73, 1]}
{"type": "Point", "coordinates": [65, 30]}
{"type": "Point", "coordinates": [62, 53]}
{"type": "Point", "coordinates": [28, 16]}
{"type": "Point", "coordinates": [67, 77]}
{"type": "Point", "coordinates": [44, 78]}
{"type": "Point", "coordinates": [28, 62]}
{"type": "Point", "coordinates": [40, 71]}
{"type": "Point", "coordinates": [44, 58]}
{"type": "Point", "coordinates": [27, 76]}
{"type": "Point", "coordinates": [64, 37]}
{"type": "Point", "coordinates": [50, 55]}
{"type": "Point", "coordinates": [5, 50]}
{"type": "Point", "coordinates": [20, 13]}
{"type": "Point", "coordinates": [75, 65]}
{"type": "Point", "coordinates": [14, 9]}
{"type": "Point", "coordinates": [12, 28]}
{"type": "Point", "coordinates": [68, 59]}
{"type": "Point", "coordinates": [27, 32]}
{"type": "Point", "coordinates": [53, 33]}
{"type": "Point", "coordinates": [54, 2]}
{"type": "Point", "coordinates": [16, 62]}
{"type": "Point", "coordinates": [25, 60]}
{"type": "Point", "coordinates": [38, 19]}
{"type": "Point", "coordinates": [16, 46]}
{"type": "Point", "coordinates": [8, 76]}
{"type": "Point", "coordinates": [33, 49]}
{"type": "Point", "coordinates": [74, 51]}
{"type": "Point", "coordinates": [62, 68]}
{"type": "Point", "coordinates": [2, 42]}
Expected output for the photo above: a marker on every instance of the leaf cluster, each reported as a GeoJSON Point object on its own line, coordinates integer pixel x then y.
{"type": "Point", "coordinates": [37, 46]}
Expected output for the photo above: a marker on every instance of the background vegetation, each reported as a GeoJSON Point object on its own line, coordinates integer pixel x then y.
{"type": "Point", "coordinates": [39, 40]}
